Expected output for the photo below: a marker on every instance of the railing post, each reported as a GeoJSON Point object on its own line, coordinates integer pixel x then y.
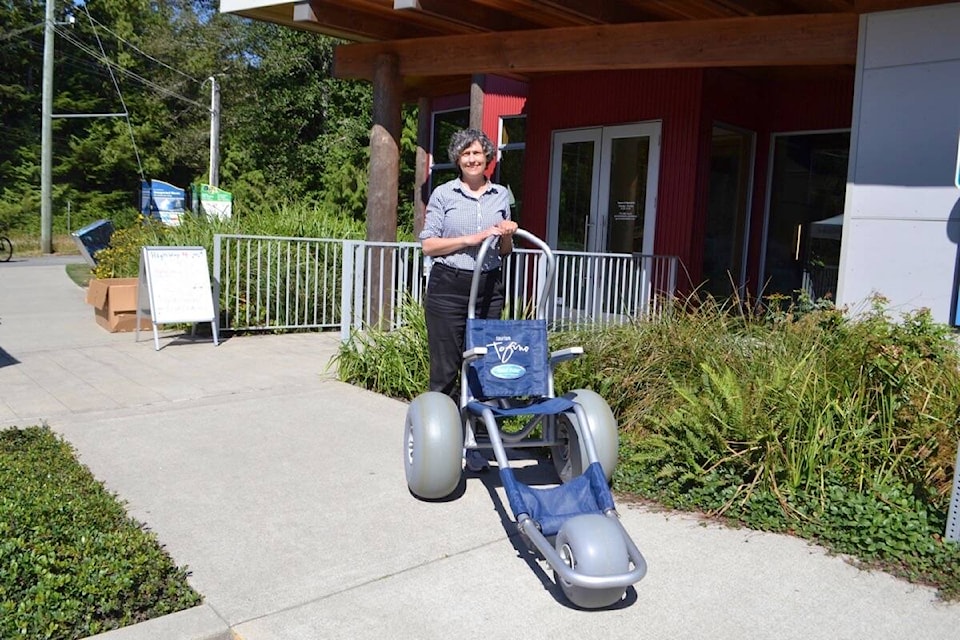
{"type": "Point", "coordinates": [953, 515]}
{"type": "Point", "coordinates": [217, 240]}
{"type": "Point", "coordinates": [351, 288]}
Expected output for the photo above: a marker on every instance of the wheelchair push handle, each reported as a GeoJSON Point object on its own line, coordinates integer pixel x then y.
{"type": "Point", "coordinates": [545, 285]}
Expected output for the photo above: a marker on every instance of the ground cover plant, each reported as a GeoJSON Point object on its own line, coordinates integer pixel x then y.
{"type": "Point", "coordinates": [72, 563]}
{"type": "Point", "coordinates": [837, 426]}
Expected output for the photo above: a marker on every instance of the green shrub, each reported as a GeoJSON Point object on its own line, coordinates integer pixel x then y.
{"type": "Point", "coordinates": [72, 563]}
{"type": "Point", "coordinates": [121, 259]}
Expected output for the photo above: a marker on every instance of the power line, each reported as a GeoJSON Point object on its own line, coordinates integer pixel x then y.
{"type": "Point", "coordinates": [116, 85]}
{"type": "Point", "coordinates": [140, 51]}
{"type": "Point", "coordinates": [112, 66]}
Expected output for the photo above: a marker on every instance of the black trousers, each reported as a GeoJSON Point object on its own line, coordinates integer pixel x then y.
{"type": "Point", "coordinates": [448, 295]}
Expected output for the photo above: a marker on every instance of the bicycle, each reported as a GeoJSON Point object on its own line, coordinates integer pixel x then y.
{"type": "Point", "coordinates": [6, 249]}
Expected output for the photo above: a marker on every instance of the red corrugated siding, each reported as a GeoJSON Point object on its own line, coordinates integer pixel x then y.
{"type": "Point", "coordinates": [687, 102]}
{"type": "Point", "coordinates": [606, 98]}
{"type": "Point", "coordinates": [502, 97]}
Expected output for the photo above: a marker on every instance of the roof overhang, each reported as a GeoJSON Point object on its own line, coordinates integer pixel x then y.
{"type": "Point", "coordinates": [440, 44]}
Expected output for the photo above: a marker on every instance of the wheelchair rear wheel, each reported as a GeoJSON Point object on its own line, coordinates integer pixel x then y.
{"type": "Point", "coordinates": [432, 446]}
{"type": "Point", "coordinates": [569, 459]}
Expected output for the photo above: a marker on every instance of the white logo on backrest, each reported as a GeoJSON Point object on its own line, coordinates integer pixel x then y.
{"type": "Point", "coordinates": [504, 347]}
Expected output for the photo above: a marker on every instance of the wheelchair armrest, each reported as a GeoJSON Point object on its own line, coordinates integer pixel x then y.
{"type": "Point", "coordinates": [565, 354]}
{"type": "Point", "coordinates": [474, 354]}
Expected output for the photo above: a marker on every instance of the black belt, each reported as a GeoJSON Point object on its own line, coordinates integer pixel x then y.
{"type": "Point", "coordinates": [464, 272]}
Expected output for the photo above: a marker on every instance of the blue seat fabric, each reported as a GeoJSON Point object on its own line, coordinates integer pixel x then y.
{"type": "Point", "coordinates": [551, 507]}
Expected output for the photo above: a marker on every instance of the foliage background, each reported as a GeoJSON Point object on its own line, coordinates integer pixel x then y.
{"type": "Point", "coordinates": [288, 131]}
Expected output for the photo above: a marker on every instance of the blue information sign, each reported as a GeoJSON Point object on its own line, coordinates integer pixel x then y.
{"type": "Point", "coordinates": [163, 201]}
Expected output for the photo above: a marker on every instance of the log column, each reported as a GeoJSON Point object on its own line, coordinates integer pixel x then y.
{"type": "Point", "coordinates": [383, 187]}
{"type": "Point", "coordinates": [476, 101]}
{"type": "Point", "coordinates": [384, 182]}
{"type": "Point", "coordinates": [421, 174]}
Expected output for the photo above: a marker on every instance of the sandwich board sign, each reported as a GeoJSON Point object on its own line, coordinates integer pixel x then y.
{"type": "Point", "coordinates": [174, 288]}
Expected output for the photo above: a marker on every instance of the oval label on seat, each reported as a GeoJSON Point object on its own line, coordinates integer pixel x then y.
{"type": "Point", "coordinates": [507, 371]}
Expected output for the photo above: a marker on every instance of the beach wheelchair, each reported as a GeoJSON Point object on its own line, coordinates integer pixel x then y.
{"type": "Point", "coordinates": [507, 378]}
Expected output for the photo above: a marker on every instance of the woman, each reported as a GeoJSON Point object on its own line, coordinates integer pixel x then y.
{"type": "Point", "coordinates": [460, 215]}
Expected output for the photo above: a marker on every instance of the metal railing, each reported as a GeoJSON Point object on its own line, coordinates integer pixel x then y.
{"type": "Point", "coordinates": [282, 283]}
{"type": "Point", "coordinates": [266, 282]}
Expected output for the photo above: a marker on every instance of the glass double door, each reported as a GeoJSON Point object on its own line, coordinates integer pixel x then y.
{"type": "Point", "coordinates": [603, 197]}
{"type": "Point", "coordinates": [603, 188]}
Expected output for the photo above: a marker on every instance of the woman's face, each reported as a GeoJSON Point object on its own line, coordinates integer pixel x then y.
{"type": "Point", "coordinates": [472, 161]}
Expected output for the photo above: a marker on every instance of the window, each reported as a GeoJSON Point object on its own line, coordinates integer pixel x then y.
{"type": "Point", "coordinates": [445, 124]}
{"type": "Point", "coordinates": [807, 189]}
{"type": "Point", "coordinates": [511, 147]}
{"type": "Point", "coordinates": [728, 211]}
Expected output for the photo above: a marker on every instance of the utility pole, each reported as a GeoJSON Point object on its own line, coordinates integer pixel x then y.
{"type": "Point", "coordinates": [214, 132]}
{"type": "Point", "coordinates": [46, 136]}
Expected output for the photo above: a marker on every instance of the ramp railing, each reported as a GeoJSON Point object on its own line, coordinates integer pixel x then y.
{"type": "Point", "coordinates": [285, 283]}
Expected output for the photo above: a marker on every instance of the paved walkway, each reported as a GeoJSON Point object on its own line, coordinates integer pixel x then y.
{"type": "Point", "coordinates": [282, 489]}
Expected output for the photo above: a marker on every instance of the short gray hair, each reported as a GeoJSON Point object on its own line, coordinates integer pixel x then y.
{"type": "Point", "coordinates": [463, 138]}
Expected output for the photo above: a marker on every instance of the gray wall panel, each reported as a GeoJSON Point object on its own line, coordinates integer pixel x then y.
{"type": "Point", "coordinates": [912, 36]}
{"type": "Point", "coordinates": [909, 262]}
{"type": "Point", "coordinates": [902, 216]}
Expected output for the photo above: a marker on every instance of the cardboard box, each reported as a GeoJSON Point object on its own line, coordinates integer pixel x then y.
{"type": "Point", "coordinates": [114, 303]}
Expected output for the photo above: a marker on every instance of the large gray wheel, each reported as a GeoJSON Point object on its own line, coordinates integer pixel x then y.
{"type": "Point", "coordinates": [593, 545]}
{"type": "Point", "coordinates": [570, 457]}
{"type": "Point", "coordinates": [432, 446]}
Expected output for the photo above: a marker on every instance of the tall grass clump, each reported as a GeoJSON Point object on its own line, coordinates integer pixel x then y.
{"type": "Point", "coordinates": [837, 426]}
{"type": "Point", "coordinates": [394, 363]}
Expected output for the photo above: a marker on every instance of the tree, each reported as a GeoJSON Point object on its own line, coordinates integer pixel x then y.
{"type": "Point", "coordinates": [288, 128]}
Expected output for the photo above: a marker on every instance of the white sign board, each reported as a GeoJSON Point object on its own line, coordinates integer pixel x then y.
{"type": "Point", "coordinates": [174, 287]}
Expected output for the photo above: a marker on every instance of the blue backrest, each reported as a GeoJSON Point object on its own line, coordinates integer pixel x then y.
{"type": "Point", "coordinates": [517, 363]}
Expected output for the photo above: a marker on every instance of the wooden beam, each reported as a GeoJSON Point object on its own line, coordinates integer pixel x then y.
{"type": "Point", "coordinates": [470, 14]}
{"type": "Point", "coordinates": [867, 6]}
{"type": "Point", "coordinates": [330, 17]}
{"type": "Point", "coordinates": [421, 172]}
{"type": "Point", "coordinates": [536, 11]}
{"type": "Point", "coordinates": [753, 7]}
{"type": "Point", "coordinates": [688, 9]}
{"type": "Point", "coordinates": [828, 39]}
{"type": "Point", "coordinates": [476, 101]}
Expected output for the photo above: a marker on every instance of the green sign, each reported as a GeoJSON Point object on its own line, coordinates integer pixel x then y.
{"type": "Point", "coordinates": [216, 203]}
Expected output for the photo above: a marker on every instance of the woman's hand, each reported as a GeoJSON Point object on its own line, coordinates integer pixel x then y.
{"type": "Point", "coordinates": [507, 228]}
{"type": "Point", "coordinates": [502, 228]}
{"type": "Point", "coordinates": [442, 246]}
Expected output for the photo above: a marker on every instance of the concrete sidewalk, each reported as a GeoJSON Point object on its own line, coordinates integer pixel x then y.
{"type": "Point", "coordinates": [283, 491]}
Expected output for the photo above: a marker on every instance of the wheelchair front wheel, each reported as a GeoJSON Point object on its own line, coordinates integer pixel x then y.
{"type": "Point", "coordinates": [592, 545]}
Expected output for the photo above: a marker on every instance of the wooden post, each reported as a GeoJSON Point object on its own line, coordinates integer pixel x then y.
{"type": "Point", "coordinates": [383, 187]}
{"type": "Point", "coordinates": [384, 151]}
{"type": "Point", "coordinates": [421, 174]}
{"type": "Point", "coordinates": [476, 102]}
